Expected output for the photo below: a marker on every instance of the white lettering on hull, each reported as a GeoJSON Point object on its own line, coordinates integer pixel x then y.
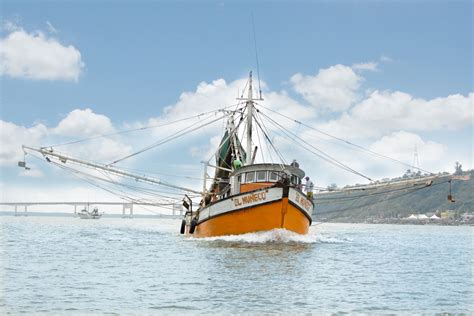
{"type": "Point", "coordinates": [301, 200]}
{"type": "Point", "coordinates": [248, 199]}
{"type": "Point", "coordinates": [241, 201]}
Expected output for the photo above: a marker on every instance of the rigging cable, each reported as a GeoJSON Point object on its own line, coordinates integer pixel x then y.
{"type": "Point", "coordinates": [115, 171]}
{"type": "Point", "coordinates": [265, 132]}
{"type": "Point", "coordinates": [167, 139]}
{"type": "Point", "coordinates": [271, 143]}
{"type": "Point", "coordinates": [381, 201]}
{"type": "Point", "coordinates": [125, 197]}
{"type": "Point", "coordinates": [361, 148]}
{"type": "Point", "coordinates": [256, 57]}
{"type": "Point", "coordinates": [327, 200]}
{"type": "Point", "coordinates": [321, 153]}
{"type": "Point", "coordinates": [260, 143]}
{"type": "Point", "coordinates": [139, 128]}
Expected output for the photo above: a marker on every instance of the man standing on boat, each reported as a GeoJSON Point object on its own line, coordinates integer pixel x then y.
{"type": "Point", "coordinates": [309, 187]}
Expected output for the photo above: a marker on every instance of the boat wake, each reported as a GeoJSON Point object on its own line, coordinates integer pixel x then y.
{"type": "Point", "coordinates": [277, 236]}
{"type": "Point", "coordinates": [326, 239]}
{"type": "Point", "coordinates": [273, 236]}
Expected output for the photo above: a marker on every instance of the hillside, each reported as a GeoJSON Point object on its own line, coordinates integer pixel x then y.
{"type": "Point", "coordinates": [395, 202]}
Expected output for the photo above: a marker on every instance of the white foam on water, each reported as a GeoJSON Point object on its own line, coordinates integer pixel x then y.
{"type": "Point", "coordinates": [272, 236]}
{"type": "Point", "coordinates": [324, 239]}
{"type": "Point", "coordinates": [278, 235]}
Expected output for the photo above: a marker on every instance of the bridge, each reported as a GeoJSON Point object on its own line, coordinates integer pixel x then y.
{"type": "Point", "coordinates": [127, 207]}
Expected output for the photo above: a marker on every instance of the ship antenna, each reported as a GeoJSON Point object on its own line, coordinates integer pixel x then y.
{"type": "Point", "coordinates": [248, 157]}
{"type": "Point", "coordinates": [256, 58]}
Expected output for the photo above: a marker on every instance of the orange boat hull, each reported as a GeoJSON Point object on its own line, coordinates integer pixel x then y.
{"type": "Point", "coordinates": [268, 216]}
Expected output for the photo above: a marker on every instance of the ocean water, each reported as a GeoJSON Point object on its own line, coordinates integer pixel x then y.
{"type": "Point", "coordinates": [143, 266]}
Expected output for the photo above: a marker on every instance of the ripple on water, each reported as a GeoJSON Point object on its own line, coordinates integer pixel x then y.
{"type": "Point", "coordinates": [272, 236]}
{"type": "Point", "coordinates": [145, 266]}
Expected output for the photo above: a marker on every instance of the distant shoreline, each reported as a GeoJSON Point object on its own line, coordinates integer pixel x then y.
{"type": "Point", "coordinates": [61, 214]}
{"type": "Point", "coordinates": [398, 221]}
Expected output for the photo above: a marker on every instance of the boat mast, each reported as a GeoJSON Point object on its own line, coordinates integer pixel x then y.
{"type": "Point", "coordinates": [248, 158]}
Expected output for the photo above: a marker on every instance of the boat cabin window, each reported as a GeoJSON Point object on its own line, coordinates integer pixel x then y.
{"type": "Point", "coordinates": [294, 179]}
{"type": "Point", "coordinates": [273, 176]}
{"type": "Point", "coordinates": [250, 176]}
{"type": "Point", "coordinates": [266, 176]}
{"type": "Point", "coordinates": [261, 176]}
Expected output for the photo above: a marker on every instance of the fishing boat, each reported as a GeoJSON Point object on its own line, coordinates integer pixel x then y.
{"type": "Point", "coordinates": [86, 214]}
{"type": "Point", "coordinates": [245, 196]}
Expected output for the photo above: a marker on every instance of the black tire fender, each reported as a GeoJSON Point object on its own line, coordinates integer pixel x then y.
{"type": "Point", "coordinates": [183, 226]}
{"type": "Point", "coordinates": [193, 226]}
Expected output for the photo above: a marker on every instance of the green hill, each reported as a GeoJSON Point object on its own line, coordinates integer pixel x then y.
{"type": "Point", "coordinates": [394, 201]}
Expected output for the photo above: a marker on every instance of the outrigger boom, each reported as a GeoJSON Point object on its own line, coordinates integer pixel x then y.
{"type": "Point", "coordinates": [64, 158]}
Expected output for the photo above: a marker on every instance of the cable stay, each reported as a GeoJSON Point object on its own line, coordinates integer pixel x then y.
{"type": "Point", "coordinates": [140, 128]}
{"type": "Point", "coordinates": [361, 148]}
{"type": "Point", "coordinates": [49, 153]}
{"type": "Point", "coordinates": [173, 136]}
{"type": "Point", "coordinates": [316, 151]}
{"type": "Point", "coordinates": [256, 58]}
{"type": "Point", "coordinates": [122, 194]}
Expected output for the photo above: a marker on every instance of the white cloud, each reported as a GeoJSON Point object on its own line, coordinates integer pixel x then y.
{"type": "Point", "coordinates": [282, 103]}
{"type": "Point", "coordinates": [372, 66]}
{"type": "Point", "coordinates": [32, 172]}
{"type": "Point", "coordinates": [13, 136]}
{"type": "Point", "coordinates": [84, 123]}
{"type": "Point", "coordinates": [207, 96]}
{"type": "Point", "coordinates": [361, 121]}
{"type": "Point", "coordinates": [332, 89]}
{"type": "Point", "coordinates": [104, 150]}
{"type": "Point", "coordinates": [37, 56]}
{"type": "Point", "coordinates": [385, 59]}
{"type": "Point", "coordinates": [387, 122]}
{"type": "Point", "coordinates": [401, 146]}
{"type": "Point", "coordinates": [384, 111]}
{"type": "Point", "coordinates": [51, 28]}
{"type": "Point", "coordinates": [79, 124]}
{"type": "Point", "coordinates": [10, 26]}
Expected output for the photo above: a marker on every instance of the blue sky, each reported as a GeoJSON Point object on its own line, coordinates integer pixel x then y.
{"type": "Point", "coordinates": [139, 57]}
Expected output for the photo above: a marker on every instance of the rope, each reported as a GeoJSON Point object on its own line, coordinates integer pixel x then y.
{"type": "Point", "coordinates": [140, 128]}
{"type": "Point", "coordinates": [83, 176]}
{"type": "Point", "coordinates": [271, 143]}
{"type": "Point", "coordinates": [378, 202]}
{"type": "Point", "coordinates": [167, 139]}
{"type": "Point", "coordinates": [361, 148]}
{"type": "Point", "coordinates": [321, 153]}
{"type": "Point", "coordinates": [348, 198]}
{"type": "Point", "coordinates": [256, 57]}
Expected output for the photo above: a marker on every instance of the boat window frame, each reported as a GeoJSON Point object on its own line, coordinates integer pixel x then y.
{"type": "Point", "coordinates": [273, 173]}
{"type": "Point", "coordinates": [294, 179]}
{"type": "Point", "coordinates": [265, 172]}
{"type": "Point", "coordinates": [247, 179]}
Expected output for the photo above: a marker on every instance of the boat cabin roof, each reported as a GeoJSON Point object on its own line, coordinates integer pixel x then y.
{"type": "Point", "coordinates": [270, 167]}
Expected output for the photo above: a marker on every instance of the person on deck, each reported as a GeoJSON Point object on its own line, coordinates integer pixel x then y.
{"type": "Point", "coordinates": [309, 187]}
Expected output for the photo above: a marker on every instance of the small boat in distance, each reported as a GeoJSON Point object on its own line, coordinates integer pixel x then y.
{"type": "Point", "coordinates": [85, 214]}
